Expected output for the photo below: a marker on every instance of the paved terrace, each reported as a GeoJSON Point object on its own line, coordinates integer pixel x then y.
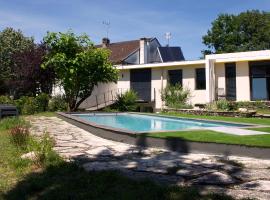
{"type": "Point", "coordinates": [236, 176]}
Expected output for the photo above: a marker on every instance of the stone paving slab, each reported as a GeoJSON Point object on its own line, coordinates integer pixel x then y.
{"type": "Point", "coordinates": [236, 131]}
{"type": "Point", "coordinates": [226, 174]}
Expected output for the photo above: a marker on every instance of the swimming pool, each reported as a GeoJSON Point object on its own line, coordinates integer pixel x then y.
{"type": "Point", "coordinates": [149, 123]}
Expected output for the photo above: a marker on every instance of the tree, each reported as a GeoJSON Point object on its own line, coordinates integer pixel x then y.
{"type": "Point", "coordinates": [248, 31]}
{"type": "Point", "coordinates": [11, 42]}
{"type": "Point", "coordinates": [78, 64]}
{"type": "Point", "coordinates": [28, 78]}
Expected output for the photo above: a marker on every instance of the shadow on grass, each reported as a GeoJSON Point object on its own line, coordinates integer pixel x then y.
{"type": "Point", "coordinates": [66, 180]}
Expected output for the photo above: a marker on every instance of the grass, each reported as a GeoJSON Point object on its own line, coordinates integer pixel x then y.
{"type": "Point", "coordinates": [263, 121]}
{"type": "Point", "coordinates": [57, 179]}
{"type": "Point", "coordinates": [46, 114]}
{"type": "Point", "coordinates": [216, 137]}
{"type": "Point", "coordinates": [264, 129]}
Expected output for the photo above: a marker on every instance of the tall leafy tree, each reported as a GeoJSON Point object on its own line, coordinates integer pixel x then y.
{"type": "Point", "coordinates": [78, 64]}
{"type": "Point", "coordinates": [28, 78]}
{"type": "Point", "coordinates": [248, 31]}
{"type": "Point", "coordinates": [11, 41]}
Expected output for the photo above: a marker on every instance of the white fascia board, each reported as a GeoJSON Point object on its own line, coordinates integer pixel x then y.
{"type": "Point", "coordinates": [240, 56]}
{"type": "Point", "coordinates": [157, 65]}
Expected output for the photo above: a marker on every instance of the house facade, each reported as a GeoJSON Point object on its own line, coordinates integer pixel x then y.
{"type": "Point", "coordinates": [132, 53]}
{"type": "Point", "coordinates": [243, 76]}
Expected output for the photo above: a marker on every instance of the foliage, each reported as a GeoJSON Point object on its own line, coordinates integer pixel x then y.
{"type": "Point", "coordinates": [11, 42]}
{"type": "Point", "coordinates": [175, 96]}
{"type": "Point", "coordinates": [247, 31]}
{"type": "Point", "coordinates": [29, 106]}
{"type": "Point", "coordinates": [19, 135]}
{"type": "Point", "coordinates": [225, 105]}
{"type": "Point", "coordinates": [11, 122]}
{"type": "Point", "coordinates": [126, 101]}
{"type": "Point", "coordinates": [222, 105]}
{"type": "Point", "coordinates": [58, 103]}
{"type": "Point", "coordinates": [42, 101]}
{"type": "Point", "coordinates": [78, 64]}
{"type": "Point", "coordinates": [43, 148]}
{"type": "Point", "coordinates": [28, 78]}
{"type": "Point", "coordinates": [32, 105]}
{"type": "Point", "coordinates": [252, 105]}
{"type": "Point", "coordinates": [6, 100]}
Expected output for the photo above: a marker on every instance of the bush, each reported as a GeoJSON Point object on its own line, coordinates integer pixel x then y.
{"type": "Point", "coordinates": [222, 105]}
{"type": "Point", "coordinates": [175, 96]}
{"type": "Point", "coordinates": [254, 105]}
{"type": "Point", "coordinates": [19, 135]}
{"type": "Point", "coordinates": [58, 103]}
{"type": "Point", "coordinates": [6, 100]}
{"type": "Point", "coordinates": [126, 101]}
{"type": "Point", "coordinates": [42, 101]}
{"type": "Point", "coordinates": [29, 106]}
{"type": "Point", "coordinates": [44, 152]}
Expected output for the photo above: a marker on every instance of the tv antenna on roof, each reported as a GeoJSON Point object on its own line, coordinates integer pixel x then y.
{"type": "Point", "coordinates": [168, 36]}
{"type": "Point", "coordinates": [107, 25]}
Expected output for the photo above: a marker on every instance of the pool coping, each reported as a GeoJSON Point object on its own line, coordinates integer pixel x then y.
{"type": "Point", "coordinates": [172, 144]}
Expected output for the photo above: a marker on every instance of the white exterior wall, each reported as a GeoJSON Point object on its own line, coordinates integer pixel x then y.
{"type": "Point", "coordinates": [220, 76]}
{"type": "Point", "coordinates": [156, 85]}
{"type": "Point", "coordinates": [188, 75]}
{"type": "Point", "coordinates": [107, 89]}
{"type": "Point", "coordinates": [242, 81]}
{"type": "Point", "coordinates": [123, 83]}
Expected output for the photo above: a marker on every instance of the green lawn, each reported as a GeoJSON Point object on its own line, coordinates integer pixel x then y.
{"type": "Point", "coordinates": [264, 121]}
{"type": "Point", "coordinates": [57, 179]}
{"type": "Point", "coordinates": [216, 137]}
{"type": "Point", "coordinates": [46, 114]}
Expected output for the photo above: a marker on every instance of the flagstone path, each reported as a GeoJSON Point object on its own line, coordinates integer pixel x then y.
{"type": "Point", "coordinates": [236, 176]}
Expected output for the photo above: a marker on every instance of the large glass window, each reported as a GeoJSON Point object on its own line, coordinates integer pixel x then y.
{"type": "Point", "coordinates": [259, 89]}
{"type": "Point", "coordinates": [200, 79]}
{"type": "Point", "coordinates": [230, 75]}
{"type": "Point", "coordinates": [175, 77]}
{"type": "Point", "coordinates": [260, 80]}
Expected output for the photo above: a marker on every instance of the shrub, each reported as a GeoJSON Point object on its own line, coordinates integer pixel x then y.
{"type": "Point", "coordinates": [41, 102]}
{"type": "Point", "coordinates": [222, 105]}
{"type": "Point", "coordinates": [252, 105]}
{"type": "Point", "coordinates": [29, 106]}
{"type": "Point", "coordinates": [19, 135]}
{"type": "Point", "coordinates": [58, 103]}
{"type": "Point", "coordinates": [175, 96]}
{"type": "Point", "coordinates": [6, 100]}
{"type": "Point", "coordinates": [127, 101]}
{"type": "Point", "coordinates": [44, 152]}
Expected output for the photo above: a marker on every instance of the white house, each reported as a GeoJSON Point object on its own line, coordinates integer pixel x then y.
{"type": "Point", "coordinates": [243, 76]}
{"type": "Point", "coordinates": [147, 67]}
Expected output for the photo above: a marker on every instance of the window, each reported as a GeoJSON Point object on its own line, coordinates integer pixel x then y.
{"type": "Point", "coordinates": [230, 80]}
{"type": "Point", "coordinates": [200, 79]}
{"type": "Point", "coordinates": [175, 76]}
{"type": "Point", "coordinates": [260, 80]}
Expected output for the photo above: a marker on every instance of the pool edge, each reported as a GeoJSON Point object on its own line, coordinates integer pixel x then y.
{"type": "Point", "coordinates": [172, 144]}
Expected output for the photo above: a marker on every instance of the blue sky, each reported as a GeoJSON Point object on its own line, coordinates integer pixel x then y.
{"type": "Point", "coordinates": [187, 20]}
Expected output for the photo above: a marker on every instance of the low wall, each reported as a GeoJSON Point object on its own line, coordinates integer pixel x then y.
{"type": "Point", "coordinates": [172, 144]}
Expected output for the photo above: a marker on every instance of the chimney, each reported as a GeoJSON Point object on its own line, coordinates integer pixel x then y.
{"type": "Point", "coordinates": [105, 42]}
{"type": "Point", "coordinates": [144, 49]}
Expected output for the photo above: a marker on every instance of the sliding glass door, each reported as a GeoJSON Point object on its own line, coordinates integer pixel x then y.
{"type": "Point", "coordinates": [260, 80]}
{"type": "Point", "coordinates": [230, 75]}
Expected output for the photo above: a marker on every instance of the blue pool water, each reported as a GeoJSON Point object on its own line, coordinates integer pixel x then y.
{"type": "Point", "coordinates": [147, 123]}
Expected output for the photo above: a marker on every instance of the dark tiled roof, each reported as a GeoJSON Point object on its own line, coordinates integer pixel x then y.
{"type": "Point", "coordinates": [169, 54]}
{"type": "Point", "coordinates": [120, 50]}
